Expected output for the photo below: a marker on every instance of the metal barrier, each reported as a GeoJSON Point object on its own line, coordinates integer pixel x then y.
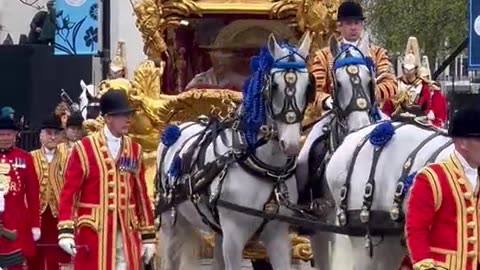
{"type": "Point", "coordinates": [28, 140]}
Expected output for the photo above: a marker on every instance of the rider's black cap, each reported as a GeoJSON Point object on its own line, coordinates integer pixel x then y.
{"type": "Point", "coordinates": [75, 120]}
{"type": "Point", "coordinates": [115, 102]}
{"type": "Point", "coordinates": [350, 10]}
{"type": "Point", "coordinates": [464, 123]}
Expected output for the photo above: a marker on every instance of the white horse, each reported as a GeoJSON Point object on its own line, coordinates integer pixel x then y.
{"type": "Point", "coordinates": [354, 107]}
{"type": "Point", "coordinates": [411, 147]}
{"type": "Point", "coordinates": [278, 93]}
{"type": "Point", "coordinates": [87, 98]}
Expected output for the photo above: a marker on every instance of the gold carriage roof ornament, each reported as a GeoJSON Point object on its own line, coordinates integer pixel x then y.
{"type": "Point", "coordinates": [119, 62]}
{"type": "Point", "coordinates": [249, 34]}
{"type": "Point", "coordinates": [412, 54]}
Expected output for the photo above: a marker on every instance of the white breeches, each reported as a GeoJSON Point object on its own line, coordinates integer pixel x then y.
{"type": "Point", "coordinates": [121, 262]}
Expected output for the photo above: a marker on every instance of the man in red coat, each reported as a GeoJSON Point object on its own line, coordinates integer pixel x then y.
{"type": "Point", "coordinates": [48, 165]}
{"type": "Point", "coordinates": [419, 96]}
{"type": "Point", "coordinates": [19, 201]}
{"type": "Point", "coordinates": [442, 218]}
{"type": "Point", "coordinates": [105, 215]}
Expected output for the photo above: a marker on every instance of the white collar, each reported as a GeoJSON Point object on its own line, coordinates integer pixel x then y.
{"type": "Point", "coordinates": [354, 43]}
{"type": "Point", "coordinates": [49, 152]}
{"type": "Point", "coordinates": [466, 167]}
{"type": "Point", "coordinates": [109, 136]}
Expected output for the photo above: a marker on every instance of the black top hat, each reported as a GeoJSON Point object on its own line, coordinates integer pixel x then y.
{"type": "Point", "coordinates": [8, 123]}
{"type": "Point", "coordinates": [350, 10]}
{"type": "Point", "coordinates": [465, 123]}
{"type": "Point", "coordinates": [75, 120]}
{"type": "Point", "coordinates": [52, 122]}
{"type": "Point", "coordinates": [115, 102]}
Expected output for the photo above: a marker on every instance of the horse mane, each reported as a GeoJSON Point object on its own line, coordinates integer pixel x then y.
{"type": "Point", "coordinates": [253, 113]}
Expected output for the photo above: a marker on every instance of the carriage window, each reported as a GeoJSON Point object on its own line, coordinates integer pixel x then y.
{"type": "Point", "coordinates": [215, 52]}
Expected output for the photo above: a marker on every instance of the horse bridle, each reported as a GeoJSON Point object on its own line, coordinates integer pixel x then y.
{"type": "Point", "coordinates": [361, 99]}
{"type": "Point", "coordinates": [290, 112]}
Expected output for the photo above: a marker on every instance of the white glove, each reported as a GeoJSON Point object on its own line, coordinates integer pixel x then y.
{"type": "Point", "coordinates": [2, 201]}
{"type": "Point", "coordinates": [36, 233]}
{"type": "Point", "coordinates": [327, 103]}
{"type": "Point", "coordinates": [148, 250]}
{"type": "Point", "coordinates": [68, 245]}
{"type": "Point", "coordinates": [431, 115]}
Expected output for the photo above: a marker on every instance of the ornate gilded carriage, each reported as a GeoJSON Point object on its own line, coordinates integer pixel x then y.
{"type": "Point", "coordinates": [181, 39]}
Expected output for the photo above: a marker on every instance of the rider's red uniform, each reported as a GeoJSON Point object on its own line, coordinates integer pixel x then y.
{"type": "Point", "coordinates": [427, 98]}
{"type": "Point", "coordinates": [21, 205]}
{"type": "Point", "coordinates": [442, 218]}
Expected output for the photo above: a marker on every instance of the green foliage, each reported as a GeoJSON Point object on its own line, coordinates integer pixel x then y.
{"type": "Point", "coordinates": [432, 22]}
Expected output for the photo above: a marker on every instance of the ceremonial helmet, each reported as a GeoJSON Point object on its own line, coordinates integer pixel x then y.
{"type": "Point", "coordinates": [119, 62]}
{"type": "Point", "coordinates": [424, 70]}
{"type": "Point", "coordinates": [350, 10]}
{"type": "Point", "coordinates": [412, 54]}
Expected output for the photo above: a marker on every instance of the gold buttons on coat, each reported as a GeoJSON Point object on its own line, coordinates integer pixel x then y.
{"type": "Point", "coordinates": [471, 225]}
{"type": "Point", "coordinates": [472, 240]}
{"type": "Point", "coordinates": [108, 160]}
{"type": "Point", "coordinates": [470, 210]}
{"type": "Point", "coordinates": [111, 184]}
{"type": "Point", "coordinates": [111, 172]}
{"type": "Point", "coordinates": [467, 195]}
{"type": "Point", "coordinates": [111, 195]}
{"type": "Point", "coordinates": [111, 207]}
{"type": "Point", "coordinates": [103, 149]}
{"type": "Point", "coordinates": [461, 181]}
{"type": "Point", "coordinates": [472, 254]}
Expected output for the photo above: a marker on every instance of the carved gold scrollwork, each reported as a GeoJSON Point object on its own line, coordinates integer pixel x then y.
{"type": "Point", "coordinates": [316, 16]}
{"type": "Point", "coordinates": [154, 17]}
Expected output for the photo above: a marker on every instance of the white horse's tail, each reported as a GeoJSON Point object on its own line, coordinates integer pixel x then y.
{"type": "Point", "coordinates": [179, 244]}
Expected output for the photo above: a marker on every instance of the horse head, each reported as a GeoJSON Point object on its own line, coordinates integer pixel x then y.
{"type": "Point", "coordinates": [89, 101]}
{"type": "Point", "coordinates": [282, 88]}
{"type": "Point", "coordinates": [354, 85]}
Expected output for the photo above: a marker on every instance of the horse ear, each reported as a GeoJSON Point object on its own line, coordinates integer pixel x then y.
{"type": "Point", "coordinates": [89, 96]}
{"type": "Point", "coordinates": [83, 84]}
{"type": "Point", "coordinates": [305, 42]}
{"type": "Point", "coordinates": [273, 46]}
{"type": "Point", "coordinates": [334, 46]}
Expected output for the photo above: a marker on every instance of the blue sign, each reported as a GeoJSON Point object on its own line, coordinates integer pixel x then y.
{"type": "Point", "coordinates": [474, 35]}
{"type": "Point", "coordinates": [76, 27]}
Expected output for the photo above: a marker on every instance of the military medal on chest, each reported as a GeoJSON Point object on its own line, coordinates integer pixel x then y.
{"type": "Point", "coordinates": [4, 176]}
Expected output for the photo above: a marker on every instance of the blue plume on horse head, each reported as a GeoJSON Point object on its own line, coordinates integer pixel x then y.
{"type": "Point", "coordinates": [253, 114]}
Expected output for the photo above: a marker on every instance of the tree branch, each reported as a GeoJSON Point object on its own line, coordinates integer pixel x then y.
{"type": "Point", "coordinates": [31, 3]}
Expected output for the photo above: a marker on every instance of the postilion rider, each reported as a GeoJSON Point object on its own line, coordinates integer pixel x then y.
{"type": "Point", "coordinates": [105, 191]}
{"type": "Point", "coordinates": [417, 95]}
{"type": "Point", "coordinates": [19, 201]}
{"type": "Point", "coordinates": [351, 27]}
{"type": "Point", "coordinates": [48, 160]}
{"type": "Point", "coordinates": [442, 216]}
